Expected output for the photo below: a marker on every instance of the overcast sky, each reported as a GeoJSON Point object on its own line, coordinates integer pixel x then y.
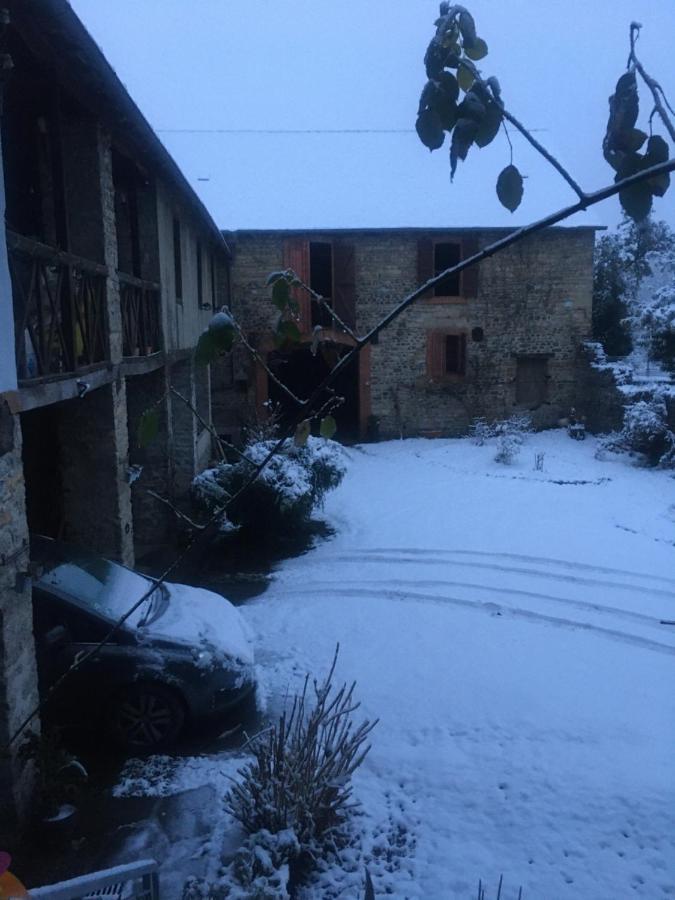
{"type": "Point", "coordinates": [357, 64]}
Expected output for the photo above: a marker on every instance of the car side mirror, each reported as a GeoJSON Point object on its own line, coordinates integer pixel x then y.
{"type": "Point", "coordinates": [57, 638]}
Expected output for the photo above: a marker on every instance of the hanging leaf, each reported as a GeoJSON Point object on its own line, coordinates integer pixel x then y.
{"type": "Point", "coordinates": [657, 151]}
{"type": "Point", "coordinates": [478, 51]}
{"type": "Point", "coordinates": [467, 28]}
{"type": "Point", "coordinates": [624, 107]}
{"type": "Point", "coordinates": [206, 351]}
{"type": "Point", "coordinates": [287, 334]}
{"type": "Point", "coordinates": [328, 427]}
{"type": "Point", "coordinates": [434, 59]}
{"type": "Point", "coordinates": [462, 138]}
{"type": "Point", "coordinates": [471, 107]}
{"type": "Point", "coordinates": [633, 140]}
{"type": "Point", "coordinates": [429, 129]}
{"type": "Point", "coordinates": [302, 432]}
{"type": "Point", "coordinates": [447, 85]}
{"type": "Point", "coordinates": [281, 294]}
{"type": "Point", "coordinates": [659, 184]}
{"type": "Point", "coordinates": [464, 77]}
{"type": "Point", "coordinates": [148, 427]}
{"type": "Point", "coordinates": [275, 276]}
{"type": "Point", "coordinates": [510, 188]}
{"type": "Point", "coordinates": [488, 127]}
{"type": "Point", "coordinates": [636, 201]}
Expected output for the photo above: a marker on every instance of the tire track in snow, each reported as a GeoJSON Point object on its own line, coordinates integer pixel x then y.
{"type": "Point", "coordinates": [517, 570]}
{"type": "Point", "coordinates": [583, 606]}
{"type": "Point", "coordinates": [493, 609]}
{"type": "Point", "coordinates": [564, 563]}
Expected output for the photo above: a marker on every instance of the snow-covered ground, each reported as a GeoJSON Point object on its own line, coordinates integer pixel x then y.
{"type": "Point", "coordinates": [504, 625]}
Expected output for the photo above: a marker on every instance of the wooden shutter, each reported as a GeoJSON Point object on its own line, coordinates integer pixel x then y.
{"type": "Point", "coordinates": [435, 355]}
{"type": "Point", "coordinates": [425, 263]}
{"type": "Point", "coordinates": [296, 257]}
{"type": "Point", "coordinates": [469, 280]}
{"type": "Point", "coordinates": [344, 283]}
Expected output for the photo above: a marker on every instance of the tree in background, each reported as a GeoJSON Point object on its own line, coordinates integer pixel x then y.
{"type": "Point", "coordinates": [632, 271]}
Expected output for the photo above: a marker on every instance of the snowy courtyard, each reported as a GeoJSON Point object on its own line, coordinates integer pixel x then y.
{"type": "Point", "coordinates": [504, 625]}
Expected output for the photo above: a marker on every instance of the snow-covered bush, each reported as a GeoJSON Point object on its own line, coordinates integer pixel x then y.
{"type": "Point", "coordinates": [645, 431]}
{"type": "Point", "coordinates": [287, 491]}
{"type": "Point", "coordinates": [294, 799]}
{"type": "Point", "coordinates": [481, 431]}
{"type": "Point", "coordinates": [510, 436]}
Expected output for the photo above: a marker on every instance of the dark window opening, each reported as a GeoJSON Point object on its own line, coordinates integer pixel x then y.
{"type": "Point", "coordinates": [302, 372]}
{"type": "Point", "coordinates": [446, 255]}
{"type": "Point", "coordinates": [455, 354]}
{"type": "Point", "coordinates": [200, 282]}
{"type": "Point", "coordinates": [177, 260]}
{"type": "Point", "coordinates": [125, 182]}
{"type": "Point", "coordinates": [531, 381]}
{"type": "Point", "coordinates": [477, 334]}
{"type": "Point", "coordinates": [213, 282]}
{"type": "Point", "coordinates": [321, 280]}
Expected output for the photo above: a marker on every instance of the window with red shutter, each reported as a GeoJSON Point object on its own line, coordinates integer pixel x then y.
{"type": "Point", "coordinates": [446, 355]}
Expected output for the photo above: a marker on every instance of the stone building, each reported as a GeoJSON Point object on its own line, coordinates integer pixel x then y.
{"type": "Point", "coordinates": [109, 270]}
{"type": "Point", "coordinates": [501, 337]}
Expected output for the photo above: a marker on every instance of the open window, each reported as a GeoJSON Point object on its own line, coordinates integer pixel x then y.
{"type": "Point", "coordinates": [321, 280]}
{"type": "Point", "coordinates": [437, 253]}
{"type": "Point", "coordinates": [446, 355]}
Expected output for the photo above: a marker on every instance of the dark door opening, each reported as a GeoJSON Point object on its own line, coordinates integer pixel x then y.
{"type": "Point", "coordinates": [302, 373]}
{"type": "Point", "coordinates": [42, 471]}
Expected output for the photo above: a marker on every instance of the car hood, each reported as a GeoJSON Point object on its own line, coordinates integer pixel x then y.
{"type": "Point", "coordinates": [204, 620]}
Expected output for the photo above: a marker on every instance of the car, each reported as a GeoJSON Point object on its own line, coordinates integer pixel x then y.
{"type": "Point", "coordinates": [183, 655]}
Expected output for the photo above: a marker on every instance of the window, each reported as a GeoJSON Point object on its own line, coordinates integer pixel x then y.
{"type": "Point", "coordinates": [446, 355]}
{"type": "Point", "coordinates": [200, 280]}
{"type": "Point", "coordinates": [177, 260]}
{"type": "Point", "coordinates": [531, 381]}
{"type": "Point", "coordinates": [446, 255]}
{"type": "Point", "coordinates": [321, 280]}
{"type": "Point", "coordinates": [213, 282]}
{"type": "Point", "coordinates": [455, 354]}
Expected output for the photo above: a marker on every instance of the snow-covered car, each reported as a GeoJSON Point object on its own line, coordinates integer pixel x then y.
{"type": "Point", "coordinates": [183, 654]}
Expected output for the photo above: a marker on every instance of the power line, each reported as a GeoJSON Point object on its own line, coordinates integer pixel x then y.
{"type": "Point", "coordinates": [285, 130]}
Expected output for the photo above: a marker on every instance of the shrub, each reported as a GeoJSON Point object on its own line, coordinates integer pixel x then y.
{"type": "Point", "coordinates": [645, 431]}
{"type": "Point", "coordinates": [510, 436]}
{"type": "Point", "coordinates": [295, 797]}
{"type": "Point", "coordinates": [287, 491]}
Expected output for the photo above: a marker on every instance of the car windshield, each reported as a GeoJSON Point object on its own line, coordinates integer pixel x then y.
{"type": "Point", "coordinates": [105, 587]}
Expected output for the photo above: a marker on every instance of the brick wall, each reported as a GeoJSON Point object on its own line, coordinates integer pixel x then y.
{"type": "Point", "coordinates": [534, 298]}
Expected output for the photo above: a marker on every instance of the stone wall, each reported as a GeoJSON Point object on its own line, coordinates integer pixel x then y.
{"type": "Point", "coordinates": [532, 299]}
{"type": "Point", "coordinates": [18, 679]}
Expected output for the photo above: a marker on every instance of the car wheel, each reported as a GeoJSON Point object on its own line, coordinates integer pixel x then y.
{"type": "Point", "coordinates": [145, 717]}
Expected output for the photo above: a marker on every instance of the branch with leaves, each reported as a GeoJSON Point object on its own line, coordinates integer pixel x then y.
{"type": "Point", "coordinates": [457, 46]}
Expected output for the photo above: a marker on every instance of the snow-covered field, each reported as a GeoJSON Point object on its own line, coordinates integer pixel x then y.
{"type": "Point", "coordinates": [503, 624]}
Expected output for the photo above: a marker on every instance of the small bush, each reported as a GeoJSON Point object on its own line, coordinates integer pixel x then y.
{"type": "Point", "coordinates": [292, 485]}
{"type": "Point", "coordinates": [645, 431]}
{"type": "Point", "coordinates": [510, 437]}
{"type": "Point", "coordinates": [295, 799]}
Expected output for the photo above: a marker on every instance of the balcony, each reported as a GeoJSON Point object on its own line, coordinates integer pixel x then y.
{"type": "Point", "coordinates": [141, 316]}
{"type": "Point", "coordinates": [59, 310]}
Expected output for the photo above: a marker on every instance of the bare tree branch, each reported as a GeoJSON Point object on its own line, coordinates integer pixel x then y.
{"type": "Point", "coordinates": [658, 94]}
{"type": "Point", "coordinates": [177, 512]}
{"type": "Point", "coordinates": [258, 358]}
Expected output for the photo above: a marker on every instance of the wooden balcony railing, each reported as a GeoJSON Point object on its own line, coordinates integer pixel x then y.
{"type": "Point", "coordinates": [59, 309]}
{"type": "Point", "coordinates": [141, 316]}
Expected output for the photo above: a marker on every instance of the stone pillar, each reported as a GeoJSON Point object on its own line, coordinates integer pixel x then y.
{"type": "Point", "coordinates": [18, 678]}
{"type": "Point", "coordinates": [94, 472]}
{"type": "Point", "coordinates": [154, 523]}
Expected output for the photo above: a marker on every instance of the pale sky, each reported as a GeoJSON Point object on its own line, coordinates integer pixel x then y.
{"type": "Point", "coordinates": [357, 64]}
